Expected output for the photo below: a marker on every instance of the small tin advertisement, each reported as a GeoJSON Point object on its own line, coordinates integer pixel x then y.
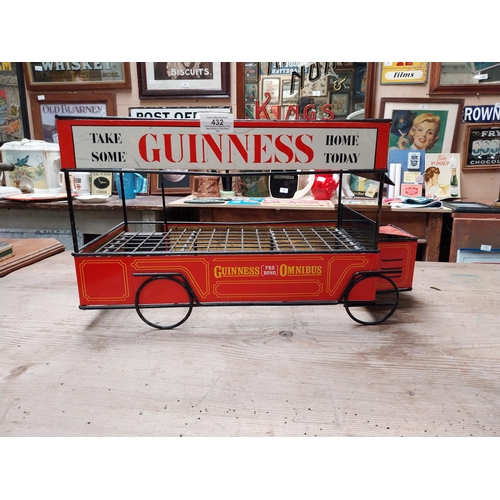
{"type": "Point", "coordinates": [482, 150]}
{"type": "Point", "coordinates": [394, 73]}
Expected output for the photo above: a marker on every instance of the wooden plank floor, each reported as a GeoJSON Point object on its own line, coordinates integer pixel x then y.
{"type": "Point", "coordinates": [433, 369]}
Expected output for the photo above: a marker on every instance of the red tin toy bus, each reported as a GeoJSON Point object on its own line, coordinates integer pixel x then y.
{"type": "Point", "coordinates": [177, 265]}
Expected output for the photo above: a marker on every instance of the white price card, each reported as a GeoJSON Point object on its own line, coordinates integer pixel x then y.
{"type": "Point", "coordinates": [216, 122]}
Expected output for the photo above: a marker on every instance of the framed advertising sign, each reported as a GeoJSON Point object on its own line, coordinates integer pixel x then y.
{"type": "Point", "coordinates": [13, 109]}
{"type": "Point", "coordinates": [441, 118]}
{"type": "Point", "coordinates": [131, 144]}
{"type": "Point", "coordinates": [482, 149]}
{"type": "Point", "coordinates": [403, 73]}
{"type": "Point", "coordinates": [77, 75]}
{"type": "Point", "coordinates": [160, 80]}
{"type": "Point", "coordinates": [167, 113]}
{"type": "Point", "coordinates": [45, 108]}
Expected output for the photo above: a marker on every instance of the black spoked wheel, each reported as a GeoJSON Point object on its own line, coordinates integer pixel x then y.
{"type": "Point", "coordinates": [177, 305]}
{"type": "Point", "coordinates": [371, 312]}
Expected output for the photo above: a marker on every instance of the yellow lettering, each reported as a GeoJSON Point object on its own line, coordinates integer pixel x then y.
{"type": "Point", "coordinates": [223, 272]}
{"type": "Point", "coordinates": [286, 270]}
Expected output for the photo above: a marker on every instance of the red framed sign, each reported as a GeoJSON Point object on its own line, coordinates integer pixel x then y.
{"type": "Point", "coordinates": [151, 145]}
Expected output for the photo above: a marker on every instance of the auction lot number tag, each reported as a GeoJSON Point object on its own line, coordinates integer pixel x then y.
{"type": "Point", "coordinates": [216, 122]}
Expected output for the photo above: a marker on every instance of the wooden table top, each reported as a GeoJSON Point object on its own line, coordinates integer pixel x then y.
{"type": "Point", "coordinates": [432, 369]}
{"type": "Point", "coordinates": [146, 202]}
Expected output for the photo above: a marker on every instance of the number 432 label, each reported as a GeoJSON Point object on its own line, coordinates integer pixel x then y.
{"type": "Point", "coordinates": [212, 122]}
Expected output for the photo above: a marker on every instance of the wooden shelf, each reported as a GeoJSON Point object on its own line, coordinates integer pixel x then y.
{"type": "Point", "coordinates": [28, 251]}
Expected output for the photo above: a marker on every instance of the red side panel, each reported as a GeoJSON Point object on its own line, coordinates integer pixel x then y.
{"type": "Point", "coordinates": [398, 251]}
{"type": "Point", "coordinates": [110, 280]}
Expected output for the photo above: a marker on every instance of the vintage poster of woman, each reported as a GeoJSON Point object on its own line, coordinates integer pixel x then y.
{"type": "Point", "coordinates": [427, 125]}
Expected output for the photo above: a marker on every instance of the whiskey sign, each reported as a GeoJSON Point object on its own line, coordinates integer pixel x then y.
{"type": "Point", "coordinates": [76, 75]}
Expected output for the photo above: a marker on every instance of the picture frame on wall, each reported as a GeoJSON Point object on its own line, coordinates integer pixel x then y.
{"type": "Point", "coordinates": [172, 183]}
{"type": "Point", "coordinates": [481, 149]}
{"type": "Point", "coordinates": [288, 97]}
{"type": "Point", "coordinates": [443, 119]}
{"type": "Point", "coordinates": [361, 82]}
{"type": "Point", "coordinates": [164, 80]}
{"type": "Point", "coordinates": [271, 86]}
{"type": "Point", "coordinates": [251, 91]}
{"type": "Point", "coordinates": [464, 78]}
{"type": "Point", "coordinates": [251, 72]}
{"type": "Point", "coordinates": [14, 125]}
{"type": "Point", "coordinates": [340, 104]}
{"type": "Point", "coordinates": [59, 76]}
{"type": "Point", "coordinates": [44, 109]}
{"type": "Point", "coordinates": [317, 88]}
{"type": "Point", "coordinates": [342, 82]}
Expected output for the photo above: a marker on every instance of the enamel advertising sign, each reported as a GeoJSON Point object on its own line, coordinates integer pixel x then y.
{"type": "Point", "coordinates": [393, 73]}
{"type": "Point", "coordinates": [129, 144]}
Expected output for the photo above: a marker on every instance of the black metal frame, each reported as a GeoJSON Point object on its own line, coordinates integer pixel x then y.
{"type": "Point", "coordinates": [346, 216]}
{"type": "Point", "coordinates": [347, 220]}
